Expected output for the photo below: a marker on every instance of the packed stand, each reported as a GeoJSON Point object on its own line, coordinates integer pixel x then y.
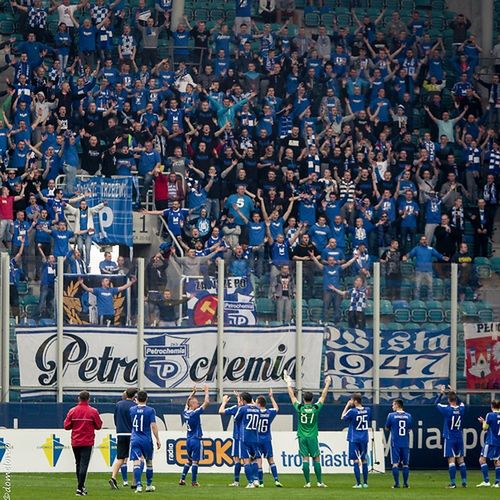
{"type": "Point", "coordinates": [358, 136]}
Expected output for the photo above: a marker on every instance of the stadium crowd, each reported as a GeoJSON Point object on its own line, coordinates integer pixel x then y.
{"type": "Point", "coordinates": [337, 146]}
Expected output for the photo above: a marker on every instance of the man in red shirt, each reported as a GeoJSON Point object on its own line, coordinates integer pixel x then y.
{"type": "Point", "coordinates": [82, 420]}
{"type": "Point", "coordinates": [7, 213]}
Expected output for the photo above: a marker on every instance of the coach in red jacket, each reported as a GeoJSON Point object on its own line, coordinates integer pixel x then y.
{"type": "Point", "coordinates": [82, 420]}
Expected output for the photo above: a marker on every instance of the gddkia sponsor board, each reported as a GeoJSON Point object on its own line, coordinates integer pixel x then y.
{"type": "Point", "coordinates": [409, 360]}
{"type": "Point", "coordinates": [97, 358]}
{"type": "Point", "coordinates": [49, 450]}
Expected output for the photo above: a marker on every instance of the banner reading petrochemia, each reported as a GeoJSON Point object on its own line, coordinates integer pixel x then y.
{"type": "Point", "coordinates": [100, 358]}
{"type": "Point", "coordinates": [113, 224]}
{"type": "Point", "coordinates": [409, 360]}
{"type": "Point", "coordinates": [239, 301]}
{"type": "Point", "coordinates": [482, 355]}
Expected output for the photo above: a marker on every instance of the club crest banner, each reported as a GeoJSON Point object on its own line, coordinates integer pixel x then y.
{"type": "Point", "coordinates": [239, 301]}
{"type": "Point", "coordinates": [482, 355]}
{"type": "Point", "coordinates": [113, 224]}
{"type": "Point", "coordinates": [409, 360]}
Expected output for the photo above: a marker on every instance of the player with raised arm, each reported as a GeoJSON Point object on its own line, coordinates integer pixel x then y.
{"type": "Point", "coordinates": [491, 448]}
{"type": "Point", "coordinates": [358, 417]}
{"type": "Point", "coordinates": [453, 414]}
{"type": "Point", "coordinates": [192, 417]}
{"type": "Point", "coordinates": [141, 441]}
{"type": "Point", "coordinates": [307, 429]}
{"type": "Point", "coordinates": [247, 418]}
{"type": "Point", "coordinates": [399, 423]}
{"type": "Point", "coordinates": [267, 415]}
{"type": "Point", "coordinates": [232, 410]}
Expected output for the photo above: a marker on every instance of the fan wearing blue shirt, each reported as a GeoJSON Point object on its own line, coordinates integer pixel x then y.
{"type": "Point", "coordinates": [247, 418]}
{"type": "Point", "coordinates": [491, 448]}
{"type": "Point", "coordinates": [194, 449]}
{"type": "Point", "coordinates": [104, 296]}
{"type": "Point", "coordinates": [358, 417]}
{"type": "Point", "coordinates": [399, 424]}
{"type": "Point", "coordinates": [266, 417]}
{"type": "Point", "coordinates": [454, 451]}
{"type": "Point", "coordinates": [141, 441]}
{"type": "Point", "coordinates": [61, 237]}
{"type": "Point", "coordinates": [408, 210]}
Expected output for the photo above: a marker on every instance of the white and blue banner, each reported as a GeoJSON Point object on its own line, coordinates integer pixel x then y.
{"type": "Point", "coordinates": [113, 224]}
{"type": "Point", "coordinates": [177, 358]}
{"type": "Point", "coordinates": [239, 301]}
{"type": "Point", "coordinates": [410, 360]}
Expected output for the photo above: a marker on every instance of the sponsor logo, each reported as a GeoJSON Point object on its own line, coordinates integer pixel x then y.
{"type": "Point", "coordinates": [216, 452]}
{"type": "Point", "coordinates": [3, 448]}
{"type": "Point", "coordinates": [108, 449]}
{"type": "Point", "coordinates": [52, 449]}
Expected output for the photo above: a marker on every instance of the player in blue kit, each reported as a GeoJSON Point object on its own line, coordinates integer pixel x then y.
{"type": "Point", "coordinates": [232, 410]}
{"type": "Point", "coordinates": [267, 415]}
{"type": "Point", "coordinates": [453, 414]}
{"type": "Point", "coordinates": [247, 417]}
{"type": "Point", "coordinates": [399, 423]}
{"type": "Point", "coordinates": [358, 417]}
{"type": "Point", "coordinates": [491, 448]}
{"type": "Point", "coordinates": [123, 423]}
{"type": "Point", "coordinates": [192, 417]}
{"type": "Point", "coordinates": [141, 441]}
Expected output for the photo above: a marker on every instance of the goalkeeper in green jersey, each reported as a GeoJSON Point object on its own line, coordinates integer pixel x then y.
{"type": "Point", "coordinates": [307, 431]}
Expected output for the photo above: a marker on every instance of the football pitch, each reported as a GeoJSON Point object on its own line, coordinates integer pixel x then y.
{"type": "Point", "coordinates": [423, 484]}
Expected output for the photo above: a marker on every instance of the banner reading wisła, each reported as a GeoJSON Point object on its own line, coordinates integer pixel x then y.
{"type": "Point", "coordinates": [482, 355]}
{"type": "Point", "coordinates": [410, 360]}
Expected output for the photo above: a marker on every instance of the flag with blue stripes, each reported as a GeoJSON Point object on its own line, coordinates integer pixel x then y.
{"type": "Point", "coordinates": [113, 224]}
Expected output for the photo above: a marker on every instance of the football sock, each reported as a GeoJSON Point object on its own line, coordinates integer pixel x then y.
{"type": "Point", "coordinates": [194, 473]}
{"type": "Point", "coordinates": [248, 473]}
{"type": "Point", "coordinates": [261, 476]}
{"type": "Point", "coordinates": [185, 471]}
{"type": "Point", "coordinates": [357, 473]}
{"type": "Point", "coordinates": [124, 470]}
{"type": "Point", "coordinates": [237, 472]}
{"type": "Point", "coordinates": [317, 471]}
{"type": "Point", "coordinates": [137, 474]}
{"type": "Point", "coordinates": [395, 475]}
{"type": "Point", "coordinates": [406, 473]}
{"type": "Point", "coordinates": [365, 472]}
{"type": "Point", "coordinates": [463, 472]}
{"type": "Point", "coordinates": [149, 475]}
{"type": "Point", "coordinates": [497, 474]}
{"type": "Point", "coordinates": [306, 471]}
{"type": "Point", "coordinates": [485, 472]}
{"type": "Point", "coordinates": [274, 471]}
{"type": "Point", "coordinates": [452, 470]}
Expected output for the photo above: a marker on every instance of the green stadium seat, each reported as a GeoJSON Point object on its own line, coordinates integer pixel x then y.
{"type": "Point", "coordinates": [264, 306]}
{"type": "Point", "coordinates": [22, 288]}
{"type": "Point", "coordinates": [412, 326]}
{"type": "Point", "coordinates": [418, 311]}
{"type": "Point", "coordinates": [369, 308]}
{"type": "Point", "coordinates": [435, 312]}
{"type": "Point", "coordinates": [327, 19]}
{"type": "Point", "coordinates": [386, 307]}
{"type": "Point", "coordinates": [483, 267]}
{"type": "Point", "coordinates": [312, 20]}
{"type": "Point", "coordinates": [468, 309]}
{"type": "Point", "coordinates": [402, 315]}
{"type": "Point", "coordinates": [315, 314]}
{"type": "Point", "coordinates": [28, 299]}
{"type": "Point", "coordinates": [315, 303]}
{"type": "Point", "coordinates": [495, 264]}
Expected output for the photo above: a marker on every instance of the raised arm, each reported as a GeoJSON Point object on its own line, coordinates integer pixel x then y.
{"type": "Point", "coordinates": [273, 401]}
{"type": "Point", "coordinates": [206, 401]}
{"type": "Point", "coordinates": [324, 392]}
{"type": "Point", "coordinates": [222, 407]}
{"type": "Point", "coordinates": [127, 285]}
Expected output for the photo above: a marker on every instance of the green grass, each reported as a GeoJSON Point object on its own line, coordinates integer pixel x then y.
{"type": "Point", "coordinates": [423, 484]}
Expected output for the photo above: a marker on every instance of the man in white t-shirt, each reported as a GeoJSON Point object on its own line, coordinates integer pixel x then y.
{"type": "Point", "coordinates": [66, 12]}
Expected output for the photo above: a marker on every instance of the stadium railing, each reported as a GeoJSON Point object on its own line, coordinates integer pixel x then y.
{"type": "Point", "coordinates": [459, 295]}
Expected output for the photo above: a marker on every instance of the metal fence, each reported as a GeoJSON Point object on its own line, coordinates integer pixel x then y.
{"type": "Point", "coordinates": [404, 301]}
